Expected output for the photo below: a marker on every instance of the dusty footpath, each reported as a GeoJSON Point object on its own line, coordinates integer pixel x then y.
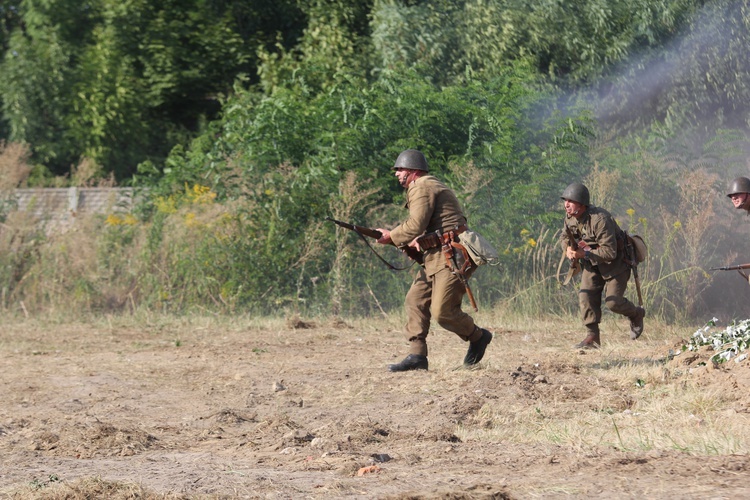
{"type": "Point", "coordinates": [188, 409]}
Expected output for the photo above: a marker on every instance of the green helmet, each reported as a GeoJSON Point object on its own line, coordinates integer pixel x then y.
{"type": "Point", "coordinates": [411, 159]}
{"type": "Point", "coordinates": [739, 185]}
{"type": "Point", "coordinates": [576, 192]}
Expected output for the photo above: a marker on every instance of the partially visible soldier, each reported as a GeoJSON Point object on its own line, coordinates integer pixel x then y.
{"type": "Point", "coordinates": [600, 251]}
{"type": "Point", "coordinates": [436, 292]}
{"type": "Point", "coordinates": [739, 192]}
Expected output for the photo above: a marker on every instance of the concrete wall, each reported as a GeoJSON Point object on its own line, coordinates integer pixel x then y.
{"type": "Point", "coordinates": [60, 206]}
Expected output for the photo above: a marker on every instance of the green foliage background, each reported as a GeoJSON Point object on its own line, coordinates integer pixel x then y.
{"type": "Point", "coordinates": [247, 123]}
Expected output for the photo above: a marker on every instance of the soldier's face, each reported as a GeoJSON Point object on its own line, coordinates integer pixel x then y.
{"type": "Point", "coordinates": [573, 208]}
{"type": "Point", "coordinates": [403, 176]}
{"type": "Point", "coordinates": [739, 200]}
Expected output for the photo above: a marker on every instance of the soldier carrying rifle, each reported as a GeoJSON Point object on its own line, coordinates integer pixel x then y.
{"type": "Point", "coordinates": [739, 193]}
{"type": "Point", "coordinates": [433, 227]}
{"type": "Point", "coordinates": [593, 241]}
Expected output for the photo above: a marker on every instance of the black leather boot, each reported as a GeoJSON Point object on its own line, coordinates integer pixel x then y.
{"type": "Point", "coordinates": [636, 323]}
{"type": "Point", "coordinates": [476, 349]}
{"type": "Point", "coordinates": [410, 362]}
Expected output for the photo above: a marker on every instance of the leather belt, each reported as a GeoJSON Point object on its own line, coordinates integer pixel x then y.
{"type": "Point", "coordinates": [436, 239]}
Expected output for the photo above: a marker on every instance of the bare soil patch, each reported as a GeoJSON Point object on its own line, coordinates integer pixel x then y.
{"type": "Point", "coordinates": [195, 407]}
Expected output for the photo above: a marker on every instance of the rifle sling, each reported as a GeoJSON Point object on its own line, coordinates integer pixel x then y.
{"type": "Point", "coordinates": [390, 266]}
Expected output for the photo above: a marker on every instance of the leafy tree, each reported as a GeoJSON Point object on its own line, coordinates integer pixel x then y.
{"type": "Point", "coordinates": [121, 82]}
{"type": "Point", "coordinates": [35, 77]}
{"type": "Point", "coordinates": [699, 81]}
{"type": "Point", "coordinates": [9, 20]}
{"type": "Point", "coordinates": [288, 152]}
{"type": "Point", "coordinates": [569, 41]}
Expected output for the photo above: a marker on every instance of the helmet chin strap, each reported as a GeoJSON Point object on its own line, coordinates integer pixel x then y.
{"type": "Point", "coordinates": [745, 202]}
{"type": "Point", "coordinates": [578, 211]}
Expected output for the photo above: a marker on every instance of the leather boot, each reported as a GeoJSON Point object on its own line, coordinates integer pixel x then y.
{"type": "Point", "coordinates": [410, 362]}
{"type": "Point", "coordinates": [590, 342]}
{"type": "Point", "coordinates": [636, 323]}
{"type": "Point", "coordinates": [476, 349]}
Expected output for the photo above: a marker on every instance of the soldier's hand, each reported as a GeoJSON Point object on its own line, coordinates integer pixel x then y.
{"type": "Point", "coordinates": [573, 253]}
{"type": "Point", "coordinates": [415, 244]}
{"type": "Point", "coordinates": [385, 236]}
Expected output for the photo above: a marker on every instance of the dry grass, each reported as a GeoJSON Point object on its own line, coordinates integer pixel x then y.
{"type": "Point", "coordinates": [268, 397]}
{"type": "Point", "coordinates": [14, 165]}
{"type": "Point", "coordinates": [89, 488]}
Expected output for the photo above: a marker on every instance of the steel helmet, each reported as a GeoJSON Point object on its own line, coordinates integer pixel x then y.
{"type": "Point", "coordinates": [576, 192]}
{"type": "Point", "coordinates": [739, 185]}
{"type": "Point", "coordinates": [411, 159]}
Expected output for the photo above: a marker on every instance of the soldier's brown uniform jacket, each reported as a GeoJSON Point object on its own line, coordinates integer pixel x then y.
{"type": "Point", "coordinates": [432, 206]}
{"type": "Point", "coordinates": [436, 293]}
{"type": "Point", "coordinates": [607, 241]}
{"type": "Point", "coordinates": [605, 270]}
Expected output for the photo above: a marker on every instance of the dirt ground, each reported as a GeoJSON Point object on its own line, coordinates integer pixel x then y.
{"type": "Point", "coordinates": [188, 408]}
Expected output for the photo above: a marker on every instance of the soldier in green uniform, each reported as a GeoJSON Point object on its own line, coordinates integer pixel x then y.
{"type": "Point", "coordinates": [739, 192]}
{"type": "Point", "coordinates": [436, 292]}
{"type": "Point", "coordinates": [600, 250]}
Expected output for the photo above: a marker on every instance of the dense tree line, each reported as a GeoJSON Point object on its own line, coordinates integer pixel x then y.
{"type": "Point", "coordinates": [124, 82]}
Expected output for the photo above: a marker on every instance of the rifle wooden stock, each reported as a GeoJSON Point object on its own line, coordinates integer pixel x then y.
{"type": "Point", "coordinates": [411, 252]}
{"type": "Point", "coordinates": [471, 295]}
{"type": "Point", "coordinates": [575, 265]}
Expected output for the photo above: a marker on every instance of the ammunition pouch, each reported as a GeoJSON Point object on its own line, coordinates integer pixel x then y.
{"type": "Point", "coordinates": [428, 241]}
{"type": "Point", "coordinates": [435, 239]}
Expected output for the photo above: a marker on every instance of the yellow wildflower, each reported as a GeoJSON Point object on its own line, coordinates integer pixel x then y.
{"type": "Point", "coordinates": [166, 205]}
{"type": "Point", "coordinates": [677, 224]}
{"type": "Point", "coordinates": [113, 220]}
{"type": "Point", "coordinates": [201, 195]}
{"type": "Point", "coordinates": [630, 211]}
{"type": "Point", "coordinates": [531, 242]}
{"type": "Point", "coordinates": [524, 232]}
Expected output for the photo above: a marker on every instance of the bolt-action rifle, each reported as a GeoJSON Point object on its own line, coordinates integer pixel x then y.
{"type": "Point", "coordinates": [575, 265]}
{"type": "Point", "coordinates": [737, 268]}
{"type": "Point", "coordinates": [363, 231]}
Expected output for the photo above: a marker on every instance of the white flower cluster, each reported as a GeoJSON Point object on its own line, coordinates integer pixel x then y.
{"type": "Point", "coordinates": [728, 343]}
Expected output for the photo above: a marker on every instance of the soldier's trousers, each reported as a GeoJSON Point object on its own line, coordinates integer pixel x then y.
{"type": "Point", "coordinates": [436, 297]}
{"type": "Point", "coordinates": [593, 286]}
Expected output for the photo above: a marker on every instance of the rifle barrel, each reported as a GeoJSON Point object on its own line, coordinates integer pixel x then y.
{"type": "Point", "coordinates": [730, 268]}
{"type": "Point", "coordinates": [412, 253]}
{"type": "Point", "coordinates": [367, 231]}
